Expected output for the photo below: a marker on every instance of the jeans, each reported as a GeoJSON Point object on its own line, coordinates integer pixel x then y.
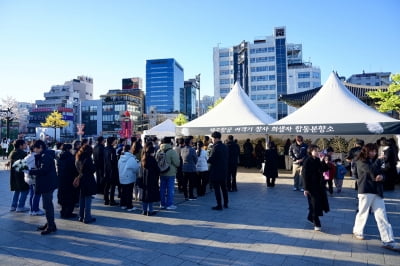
{"type": "Point", "coordinates": [48, 207]}
{"type": "Point", "coordinates": [376, 203]}
{"type": "Point", "coordinates": [34, 199]}
{"type": "Point", "coordinates": [147, 206]}
{"type": "Point", "coordinates": [19, 198]}
{"type": "Point", "coordinates": [85, 207]}
{"type": "Point", "coordinates": [167, 184]}
{"type": "Point", "coordinates": [298, 181]}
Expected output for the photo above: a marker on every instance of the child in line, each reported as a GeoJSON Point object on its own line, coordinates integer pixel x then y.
{"type": "Point", "coordinates": [340, 172]}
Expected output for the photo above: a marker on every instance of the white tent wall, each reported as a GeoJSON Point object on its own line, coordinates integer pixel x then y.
{"type": "Point", "coordinates": [164, 129]}
{"type": "Point", "coordinates": [235, 115]}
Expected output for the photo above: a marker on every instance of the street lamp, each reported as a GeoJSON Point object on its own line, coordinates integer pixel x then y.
{"type": "Point", "coordinates": [8, 116]}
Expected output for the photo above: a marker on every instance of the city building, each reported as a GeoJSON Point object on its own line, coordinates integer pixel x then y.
{"type": "Point", "coordinates": [371, 79]}
{"type": "Point", "coordinates": [188, 99]}
{"type": "Point", "coordinates": [164, 82]}
{"type": "Point", "coordinates": [92, 118]}
{"type": "Point", "coordinates": [132, 83]}
{"type": "Point", "coordinates": [67, 100]}
{"type": "Point", "coordinates": [262, 68]}
{"type": "Point", "coordinates": [116, 104]}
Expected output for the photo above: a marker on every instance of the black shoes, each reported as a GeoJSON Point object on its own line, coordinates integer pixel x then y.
{"type": "Point", "coordinates": [46, 229]}
{"type": "Point", "coordinates": [146, 213]}
{"type": "Point", "coordinates": [217, 208]}
{"type": "Point", "coordinates": [92, 220]}
{"type": "Point", "coordinates": [113, 203]}
{"type": "Point", "coordinates": [69, 216]}
{"type": "Point", "coordinates": [42, 227]}
{"type": "Point", "coordinates": [49, 230]}
{"type": "Point", "coordinates": [226, 206]}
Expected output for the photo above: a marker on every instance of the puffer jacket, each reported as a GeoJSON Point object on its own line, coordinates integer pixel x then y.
{"type": "Point", "coordinates": [128, 167]}
{"type": "Point", "coordinates": [202, 165]}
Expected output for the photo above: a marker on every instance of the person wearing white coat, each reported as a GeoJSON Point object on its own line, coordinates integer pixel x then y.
{"type": "Point", "coordinates": [202, 169]}
{"type": "Point", "coordinates": [128, 167]}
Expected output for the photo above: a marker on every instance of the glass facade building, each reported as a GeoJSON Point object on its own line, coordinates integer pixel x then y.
{"type": "Point", "coordinates": [164, 82]}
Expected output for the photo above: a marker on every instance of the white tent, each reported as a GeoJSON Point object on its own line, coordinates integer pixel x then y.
{"type": "Point", "coordinates": [236, 114]}
{"type": "Point", "coordinates": [334, 110]}
{"type": "Point", "coordinates": [164, 129]}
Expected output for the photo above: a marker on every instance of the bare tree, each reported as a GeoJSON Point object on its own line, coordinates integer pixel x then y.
{"type": "Point", "coordinates": [9, 111]}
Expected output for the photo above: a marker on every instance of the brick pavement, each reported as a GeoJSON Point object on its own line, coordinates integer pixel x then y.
{"type": "Point", "coordinates": [263, 226]}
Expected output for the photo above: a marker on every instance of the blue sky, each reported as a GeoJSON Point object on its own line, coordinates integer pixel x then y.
{"type": "Point", "coordinates": [45, 43]}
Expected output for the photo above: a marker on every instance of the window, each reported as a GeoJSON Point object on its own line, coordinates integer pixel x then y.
{"type": "Point", "coordinates": [224, 54]}
{"type": "Point", "coordinates": [223, 81]}
{"type": "Point", "coordinates": [316, 75]}
{"type": "Point", "coordinates": [224, 63]}
{"type": "Point", "coordinates": [304, 85]}
{"type": "Point", "coordinates": [303, 75]}
{"type": "Point", "coordinates": [224, 72]}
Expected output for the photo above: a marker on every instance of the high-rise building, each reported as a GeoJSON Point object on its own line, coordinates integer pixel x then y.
{"type": "Point", "coordinates": [262, 69]}
{"type": "Point", "coordinates": [164, 82]}
{"type": "Point", "coordinates": [188, 99]}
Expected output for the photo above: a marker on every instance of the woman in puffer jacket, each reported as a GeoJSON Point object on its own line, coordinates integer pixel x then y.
{"type": "Point", "coordinates": [128, 167]}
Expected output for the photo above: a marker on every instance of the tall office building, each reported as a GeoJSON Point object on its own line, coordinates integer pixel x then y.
{"type": "Point", "coordinates": [164, 82]}
{"type": "Point", "coordinates": [261, 68]}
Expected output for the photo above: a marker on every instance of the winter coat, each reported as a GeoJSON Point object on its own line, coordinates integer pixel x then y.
{"type": "Point", "coordinates": [202, 165]}
{"type": "Point", "coordinates": [189, 159]}
{"type": "Point", "coordinates": [234, 153]}
{"type": "Point", "coordinates": [128, 167]}
{"type": "Point", "coordinates": [297, 152]}
{"type": "Point", "coordinates": [366, 172]}
{"type": "Point", "coordinates": [172, 159]}
{"type": "Point", "coordinates": [17, 182]}
{"type": "Point", "coordinates": [67, 172]}
{"type": "Point", "coordinates": [110, 165]}
{"type": "Point", "coordinates": [314, 183]}
{"type": "Point", "coordinates": [98, 155]}
{"type": "Point", "coordinates": [218, 162]}
{"type": "Point", "coordinates": [45, 172]}
{"type": "Point", "coordinates": [149, 182]}
{"type": "Point", "coordinates": [271, 163]}
{"type": "Point", "coordinates": [87, 182]}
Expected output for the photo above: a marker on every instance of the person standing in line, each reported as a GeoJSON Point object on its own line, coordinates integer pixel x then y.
{"type": "Point", "coordinates": [17, 181]}
{"type": "Point", "coordinates": [248, 153]}
{"type": "Point", "coordinates": [111, 178]}
{"type": "Point", "coordinates": [98, 159]}
{"type": "Point", "coordinates": [149, 181]}
{"type": "Point", "coordinates": [340, 173]}
{"type": "Point", "coordinates": [368, 172]}
{"type": "Point", "coordinates": [271, 164]}
{"type": "Point", "coordinates": [128, 167]}
{"type": "Point", "coordinates": [4, 147]}
{"type": "Point", "coordinates": [288, 160]}
{"type": "Point", "coordinates": [189, 161]}
{"type": "Point", "coordinates": [67, 172]}
{"type": "Point", "coordinates": [259, 154]}
{"type": "Point", "coordinates": [234, 152]}
{"type": "Point", "coordinates": [298, 152]}
{"type": "Point", "coordinates": [388, 156]}
{"type": "Point", "coordinates": [86, 182]}
{"type": "Point", "coordinates": [219, 170]}
{"type": "Point", "coordinates": [202, 168]}
{"type": "Point", "coordinates": [314, 186]}
{"type": "Point", "coordinates": [46, 182]}
{"type": "Point", "coordinates": [34, 198]}
{"type": "Point", "coordinates": [180, 143]}
{"type": "Point", "coordinates": [167, 179]}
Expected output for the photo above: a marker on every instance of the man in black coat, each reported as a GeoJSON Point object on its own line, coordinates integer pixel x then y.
{"type": "Point", "coordinates": [46, 182]}
{"type": "Point", "coordinates": [219, 170]}
{"type": "Point", "coordinates": [98, 158]}
{"type": "Point", "coordinates": [111, 176]}
{"type": "Point", "coordinates": [234, 151]}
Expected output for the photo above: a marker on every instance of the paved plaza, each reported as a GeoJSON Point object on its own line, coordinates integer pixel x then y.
{"type": "Point", "coordinates": [263, 226]}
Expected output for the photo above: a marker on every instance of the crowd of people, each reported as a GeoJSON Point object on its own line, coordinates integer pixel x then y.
{"type": "Point", "coordinates": [149, 172]}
